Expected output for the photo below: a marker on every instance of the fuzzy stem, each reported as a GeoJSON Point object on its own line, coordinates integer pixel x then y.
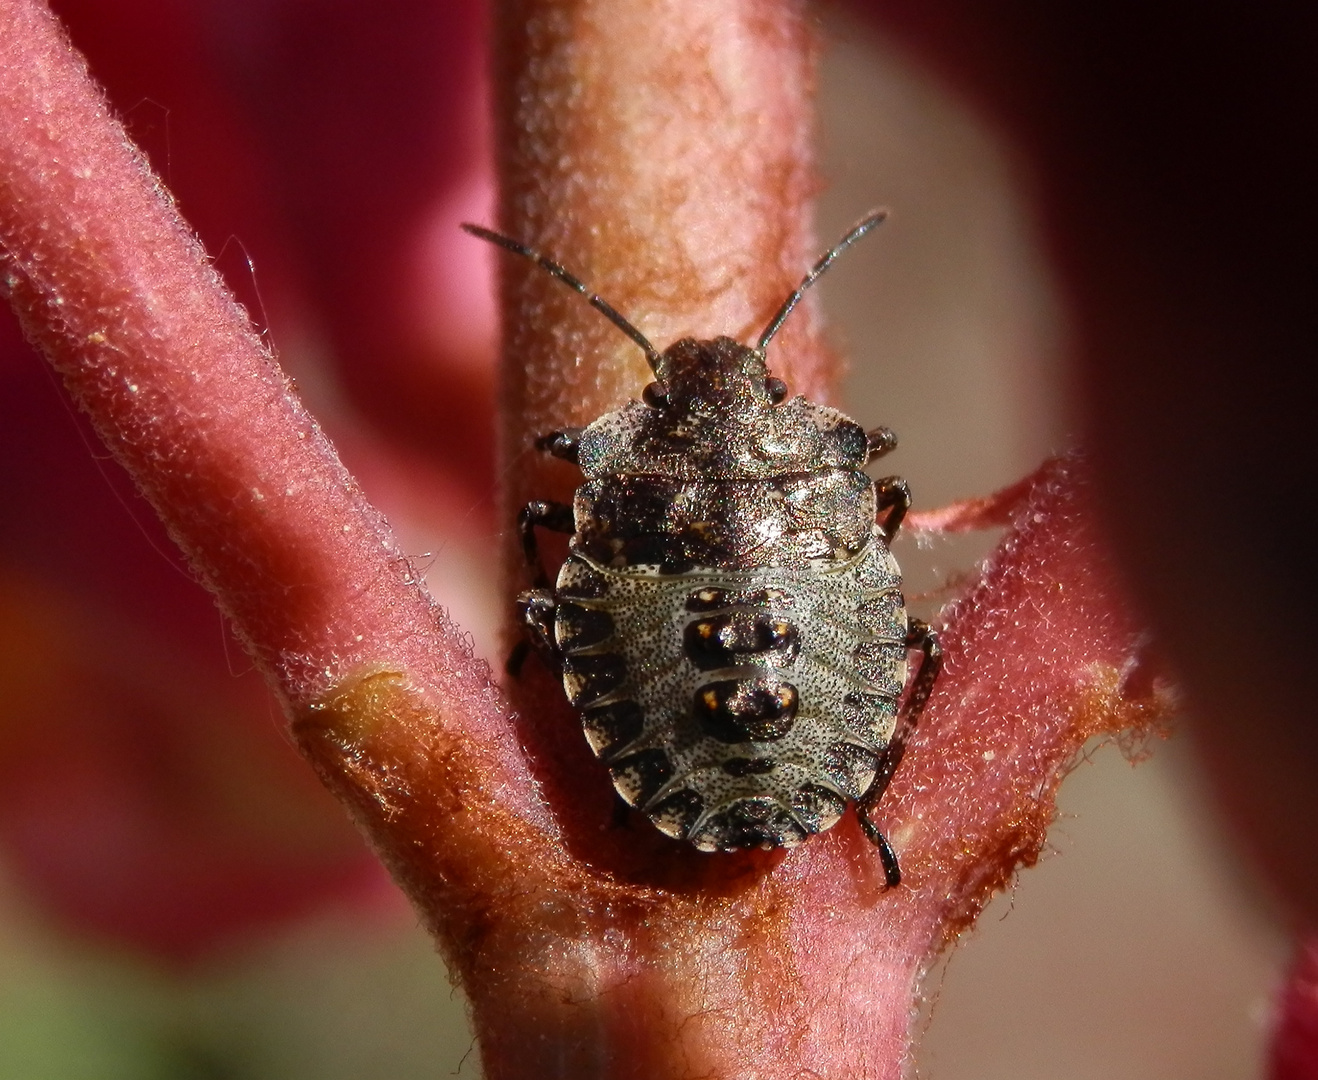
{"type": "Point", "coordinates": [113, 287]}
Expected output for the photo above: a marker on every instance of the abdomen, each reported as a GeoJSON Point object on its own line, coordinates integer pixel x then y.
{"type": "Point", "coordinates": [737, 707]}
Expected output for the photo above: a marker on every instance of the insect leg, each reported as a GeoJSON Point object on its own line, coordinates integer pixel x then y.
{"type": "Point", "coordinates": [894, 497]}
{"type": "Point", "coordinates": [535, 607]}
{"type": "Point", "coordinates": [550, 515]}
{"type": "Point", "coordinates": [880, 441]}
{"type": "Point", "coordinates": [892, 871]}
{"type": "Point", "coordinates": [562, 444]}
{"type": "Point", "coordinates": [918, 636]}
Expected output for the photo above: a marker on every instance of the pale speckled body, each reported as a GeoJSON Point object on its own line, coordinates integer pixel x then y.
{"type": "Point", "coordinates": [726, 545]}
{"type": "Point", "coordinates": [848, 670]}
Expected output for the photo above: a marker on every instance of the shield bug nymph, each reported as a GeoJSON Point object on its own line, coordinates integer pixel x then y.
{"type": "Point", "coordinates": [729, 619]}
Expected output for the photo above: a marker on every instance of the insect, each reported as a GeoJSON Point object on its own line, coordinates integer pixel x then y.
{"type": "Point", "coordinates": [729, 618]}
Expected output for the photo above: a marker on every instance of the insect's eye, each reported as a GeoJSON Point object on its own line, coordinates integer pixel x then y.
{"type": "Point", "coordinates": [655, 396]}
{"type": "Point", "coordinates": [777, 389]}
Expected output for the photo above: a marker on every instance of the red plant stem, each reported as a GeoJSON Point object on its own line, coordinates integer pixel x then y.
{"type": "Point", "coordinates": [1173, 170]}
{"type": "Point", "coordinates": [970, 515]}
{"type": "Point", "coordinates": [112, 286]}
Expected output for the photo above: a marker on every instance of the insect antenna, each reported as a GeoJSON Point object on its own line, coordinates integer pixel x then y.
{"type": "Point", "coordinates": [602, 306]}
{"type": "Point", "coordinates": [857, 231]}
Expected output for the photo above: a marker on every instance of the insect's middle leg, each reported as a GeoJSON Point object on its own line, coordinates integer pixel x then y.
{"type": "Point", "coordinates": [555, 516]}
{"type": "Point", "coordinates": [894, 499]}
{"type": "Point", "coordinates": [535, 607]}
{"type": "Point", "coordinates": [920, 636]}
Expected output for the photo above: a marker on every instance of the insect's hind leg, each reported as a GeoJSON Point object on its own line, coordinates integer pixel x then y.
{"type": "Point", "coordinates": [920, 636]}
{"type": "Point", "coordinates": [892, 870]}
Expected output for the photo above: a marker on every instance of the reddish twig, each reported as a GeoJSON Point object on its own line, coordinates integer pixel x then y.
{"type": "Point", "coordinates": [111, 285]}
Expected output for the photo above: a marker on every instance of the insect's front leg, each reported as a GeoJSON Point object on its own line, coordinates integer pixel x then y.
{"type": "Point", "coordinates": [920, 636]}
{"type": "Point", "coordinates": [894, 499]}
{"type": "Point", "coordinates": [563, 444]}
{"type": "Point", "coordinates": [879, 441]}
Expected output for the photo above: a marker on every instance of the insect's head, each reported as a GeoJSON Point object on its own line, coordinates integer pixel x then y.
{"type": "Point", "coordinates": [718, 376]}
{"type": "Point", "coordinates": [721, 377]}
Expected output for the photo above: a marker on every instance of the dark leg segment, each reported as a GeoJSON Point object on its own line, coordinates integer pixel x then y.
{"type": "Point", "coordinates": [880, 441]}
{"type": "Point", "coordinates": [548, 515]}
{"type": "Point", "coordinates": [516, 658]}
{"type": "Point", "coordinates": [894, 498]}
{"type": "Point", "coordinates": [562, 444]}
{"type": "Point", "coordinates": [918, 636]}
{"type": "Point", "coordinates": [892, 871]}
{"type": "Point", "coordinates": [535, 607]}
